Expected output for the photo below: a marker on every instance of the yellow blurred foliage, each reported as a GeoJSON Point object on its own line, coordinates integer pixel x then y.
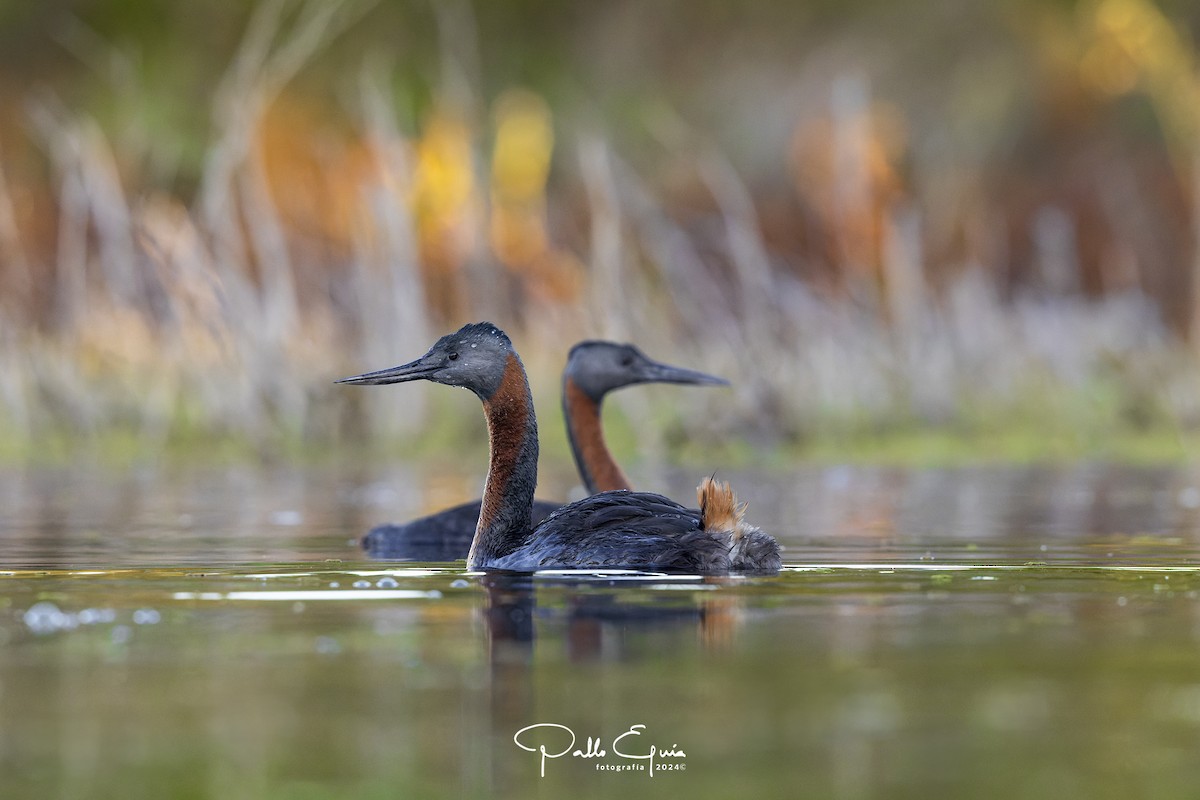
{"type": "Point", "coordinates": [1130, 45]}
{"type": "Point", "coordinates": [521, 158]}
{"type": "Point", "coordinates": [524, 144]}
{"type": "Point", "coordinates": [444, 202]}
{"type": "Point", "coordinates": [443, 193]}
{"type": "Point", "coordinates": [317, 177]}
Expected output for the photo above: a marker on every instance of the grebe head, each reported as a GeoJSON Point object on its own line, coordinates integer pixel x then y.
{"type": "Point", "coordinates": [598, 367]}
{"type": "Point", "coordinates": [474, 358]}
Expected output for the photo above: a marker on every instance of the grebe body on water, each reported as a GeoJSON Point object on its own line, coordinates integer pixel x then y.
{"type": "Point", "coordinates": [594, 368]}
{"type": "Point", "coordinates": [617, 529]}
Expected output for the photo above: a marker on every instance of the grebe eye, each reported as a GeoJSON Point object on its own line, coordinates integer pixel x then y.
{"type": "Point", "coordinates": [453, 356]}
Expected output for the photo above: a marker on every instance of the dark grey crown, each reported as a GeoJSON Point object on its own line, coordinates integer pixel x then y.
{"type": "Point", "coordinates": [483, 329]}
{"type": "Point", "coordinates": [598, 367]}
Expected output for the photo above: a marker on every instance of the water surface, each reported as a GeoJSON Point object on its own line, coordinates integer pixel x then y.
{"type": "Point", "coordinates": [984, 632]}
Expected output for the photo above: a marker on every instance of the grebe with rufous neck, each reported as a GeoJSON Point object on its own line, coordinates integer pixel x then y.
{"type": "Point", "coordinates": [594, 368]}
{"type": "Point", "coordinates": [617, 529]}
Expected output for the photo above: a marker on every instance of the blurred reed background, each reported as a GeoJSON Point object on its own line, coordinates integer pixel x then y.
{"type": "Point", "coordinates": [971, 224]}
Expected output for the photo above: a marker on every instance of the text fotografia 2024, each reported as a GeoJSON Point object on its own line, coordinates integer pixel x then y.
{"type": "Point", "coordinates": [551, 740]}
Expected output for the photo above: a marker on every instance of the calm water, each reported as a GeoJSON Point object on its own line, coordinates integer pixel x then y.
{"type": "Point", "coordinates": [965, 633]}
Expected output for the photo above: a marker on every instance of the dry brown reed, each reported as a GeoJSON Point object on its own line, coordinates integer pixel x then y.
{"type": "Point", "coordinates": [302, 257]}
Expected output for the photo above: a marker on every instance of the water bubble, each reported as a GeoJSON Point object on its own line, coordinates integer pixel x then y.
{"type": "Point", "coordinates": [146, 616]}
{"type": "Point", "coordinates": [327, 645]}
{"type": "Point", "coordinates": [1121, 601]}
{"type": "Point", "coordinates": [121, 634]}
{"type": "Point", "coordinates": [361, 584]}
{"type": "Point", "coordinates": [459, 583]}
{"type": "Point", "coordinates": [94, 616]}
{"type": "Point", "coordinates": [387, 583]}
{"type": "Point", "coordinates": [334, 584]}
{"type": "Point", "coordinates": [298, 607]}
{"type": "Point", "coordinates": [45, 617]}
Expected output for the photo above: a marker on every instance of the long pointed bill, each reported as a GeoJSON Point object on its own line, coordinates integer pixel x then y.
{"type": "Point", "coordinates": [655, 372]}
{"type": "Point", "coordinates": [414, 371]}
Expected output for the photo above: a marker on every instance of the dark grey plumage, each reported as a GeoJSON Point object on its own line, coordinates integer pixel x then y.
{"type": "Point", "coordinates": [759, 552]}
{"type": "Point", "coordinates": [444, 536]}
{"type": "Point", "coordinates": [635, 530]}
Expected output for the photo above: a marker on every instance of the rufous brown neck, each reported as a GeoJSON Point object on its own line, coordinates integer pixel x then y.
{"type": "Point", "coordinates": [504, 518]}
{"type": "Point", "coordinates": [596, 466]}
